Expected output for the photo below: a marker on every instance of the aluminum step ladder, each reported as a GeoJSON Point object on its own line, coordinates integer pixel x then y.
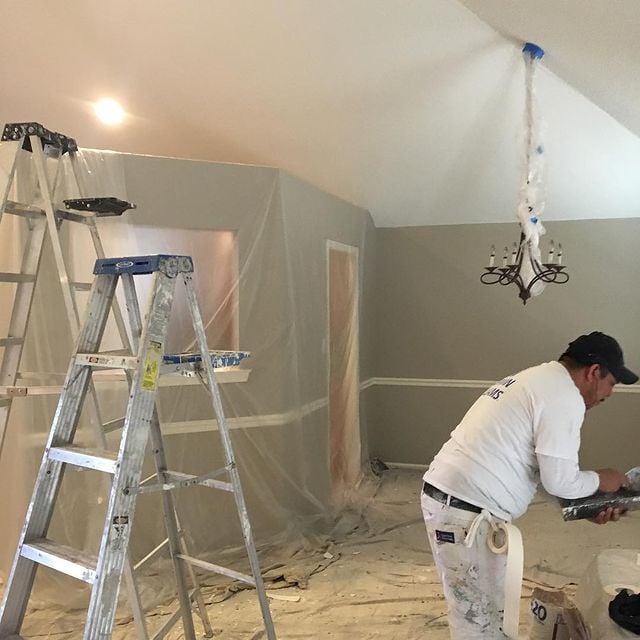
{"type": "Point", "coordinates": [103, 572]}
{"type": "Point", "coordinates": [48, 150]}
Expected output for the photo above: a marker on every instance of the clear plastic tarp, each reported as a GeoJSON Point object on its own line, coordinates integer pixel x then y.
{"type": "Point", "coordinates": [278, 272]}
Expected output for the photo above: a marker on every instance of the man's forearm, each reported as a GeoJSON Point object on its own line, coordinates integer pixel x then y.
{"type": "Point", "coordinates": [564, 479]}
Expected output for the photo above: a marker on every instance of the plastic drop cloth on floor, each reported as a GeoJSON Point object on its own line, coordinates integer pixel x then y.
{"type": "Point", "coordinates": [372, 576]}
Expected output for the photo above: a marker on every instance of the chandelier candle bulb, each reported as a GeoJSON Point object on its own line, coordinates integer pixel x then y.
{"type": "Point", "coordinates": [559, 253]}
{"type": "Point", "coordinates": [551, 252]}
{"type": "Point", "coordinates": [505, 257]}
{"type": "Point", "coordinates": [492, 257]}
{"type": "Point", "coordinates": [514, 253]}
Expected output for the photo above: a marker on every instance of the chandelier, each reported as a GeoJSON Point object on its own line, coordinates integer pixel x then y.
{"type": "Point", "coordinates": [523, 265]}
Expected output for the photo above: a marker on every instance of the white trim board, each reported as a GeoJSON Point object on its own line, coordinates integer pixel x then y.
{"type": "Point", "coordinates": [407, 465]}
{"type": "Point", "coordinates": [459, 384]}
{"type": "Point", "coordinates": [244, 422]}
{"type": "Point", "coordinates": [289, 417]}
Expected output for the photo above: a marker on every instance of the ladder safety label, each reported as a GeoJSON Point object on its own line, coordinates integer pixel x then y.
{"type": "Point", "coordinates": [152, 364]}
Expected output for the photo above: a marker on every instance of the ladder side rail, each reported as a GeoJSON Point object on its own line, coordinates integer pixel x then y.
{"type": "Point", "coordinates": [23, 300]}
{"type": "Point", "coordinates": [117, 312]}
{"type": "Point", "coordinates": [168, 506]}
{"type": "Point", "coordinates": [129, 568]}
{"type": "Point", "coordinates": [77, 174]}
{"type": "Point", "coordinates": [171, 526]}
{"type": "Point", "coordinates": [120, 511]}
{"type": "Point", "coordinates": [197, 588]}
{"type": "Point", "coordinates": [52, 224]}
{"type": "Point", "coordinates": [74, 317]}
{"type": "Point", "coordinates": [176, 544]}
{"type": "Point", "coordinates": [57, 173]}
{"type": "Point", "coordinates": [98, 248]}
{"type": "Point", "coordinates": [20, 313]}
{"type": "Point", "coordinates": [135, 601]}
{"type": "Point", "coordinates": [9, 151]}
{"type": "Point", "coordinates": [41, 506]}
{"type": "Point", "coordinates": [201, 339]}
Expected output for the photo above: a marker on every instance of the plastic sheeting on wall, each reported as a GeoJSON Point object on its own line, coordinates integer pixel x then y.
{"type": "Point", "coordinates": [258, 239]}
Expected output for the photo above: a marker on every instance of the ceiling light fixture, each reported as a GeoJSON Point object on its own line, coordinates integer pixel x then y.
{"type": "Point", "coordinates": [109, 111]}
{"type": "Point", "coordinates": [523, 265]}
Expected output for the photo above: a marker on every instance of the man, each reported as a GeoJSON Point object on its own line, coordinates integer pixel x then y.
{"type": "Point", "coordinates": [523, 430]}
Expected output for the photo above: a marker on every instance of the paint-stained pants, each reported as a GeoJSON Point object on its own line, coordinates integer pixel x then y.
{"type": "Point", "coordinates": [472, 578]}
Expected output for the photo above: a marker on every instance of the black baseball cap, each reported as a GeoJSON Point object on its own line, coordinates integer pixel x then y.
{"type": "Point", "coordinates": [599, 348]}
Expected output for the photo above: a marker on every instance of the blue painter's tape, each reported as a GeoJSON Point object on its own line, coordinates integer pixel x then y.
{"type": "Point", "coordinates": [533, 50]}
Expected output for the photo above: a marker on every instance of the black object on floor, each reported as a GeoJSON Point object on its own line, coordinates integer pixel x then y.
{"type": "Point", "coordinates": [624, 609]}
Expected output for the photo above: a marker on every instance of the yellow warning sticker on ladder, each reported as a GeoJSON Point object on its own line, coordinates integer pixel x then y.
{"type": "Point", "coordinates": [152, 366]}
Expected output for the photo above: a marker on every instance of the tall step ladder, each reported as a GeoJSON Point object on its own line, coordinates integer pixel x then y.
{"type": "Point", "coordinates": [48, 151]}
{"type": "Point", "coordinates": [103, 572]}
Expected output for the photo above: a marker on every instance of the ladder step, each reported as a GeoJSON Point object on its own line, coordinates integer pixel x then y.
{"type": "Point", "coordinates": [74, 217]}
{"type": "Point", "coordinates": [81, 286]}
{"type": "Point", "coordinates": [186, 479]}
{"type": "Point", "coordinates": [32, 390]}
{"type": "Point", "coordinates": [17, 209]}
{"type": "Point", "coordinates": [152, 555]}
{"type": "Point", "coordinates": [73, 562]}
{"type": "Point", "coordinates": [13, 392]}
{"type": "Point", "coordinates": [178, 480]}
{"type": "Point", "coordinates": [107, 361]}
{"type": "Point", "coordinates": [113, 425]}
{"type": "Point", "coordinates": [116, 352]}
{"type": "Point", "coordinates": [6, 342]}
{"type": "Point", "coordinates": [85, 458]}
{"type": "Point", "coordinates": [214, 568]}
{"type": "Point", "coordinates": [16, 277]}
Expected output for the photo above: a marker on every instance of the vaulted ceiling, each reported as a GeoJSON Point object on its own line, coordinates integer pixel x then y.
{"type": "Point", "coordinates": [410, 108]}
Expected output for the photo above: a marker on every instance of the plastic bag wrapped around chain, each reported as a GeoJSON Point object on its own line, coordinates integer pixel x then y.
{"type": "Point", "coordinates": [531, 198]}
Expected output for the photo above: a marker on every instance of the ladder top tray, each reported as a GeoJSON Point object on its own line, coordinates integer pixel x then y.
{"type": "Point", "coordinates": [22, 130]}
{"type": "Point", "coordinates": [170, 265]}
{"type": "Point", "coordinates": [106, 206]}
{"type": "Point", "coordinates": [219, 359]}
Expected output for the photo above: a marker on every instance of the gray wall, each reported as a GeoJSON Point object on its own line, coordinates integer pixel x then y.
{"type": "Point", "coordinates": [435, 320]}
{"type": "Point", "coordinates": [311, 218]}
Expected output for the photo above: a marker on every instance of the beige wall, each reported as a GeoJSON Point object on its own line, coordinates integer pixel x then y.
{"type": "Point", "coordinates": [435, 320]}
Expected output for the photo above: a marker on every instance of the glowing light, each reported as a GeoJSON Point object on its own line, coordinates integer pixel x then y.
{"type": "Point", "coordinates": [109, 111]}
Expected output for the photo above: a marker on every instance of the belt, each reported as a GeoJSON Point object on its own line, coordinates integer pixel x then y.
{"type": "Point", "coordinates": [445, 498]}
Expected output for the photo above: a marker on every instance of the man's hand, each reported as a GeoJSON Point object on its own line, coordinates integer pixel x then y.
{"type": "Point", "coordinates": [611, 480]}
{"type": "Point", "coordinates": [608, 515]}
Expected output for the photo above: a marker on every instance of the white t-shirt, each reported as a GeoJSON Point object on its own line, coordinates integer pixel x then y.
{"type": "Point", "coordinates": [490, 459]}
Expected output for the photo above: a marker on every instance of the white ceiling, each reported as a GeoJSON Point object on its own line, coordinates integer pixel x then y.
{"type": "Point", "coordinates": [410, 108]}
